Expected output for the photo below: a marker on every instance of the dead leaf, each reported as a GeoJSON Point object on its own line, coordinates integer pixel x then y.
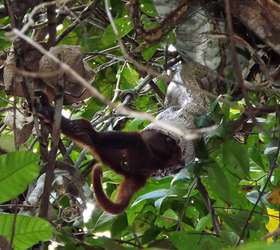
{"type": "Point", "coordinates": [274, 196]}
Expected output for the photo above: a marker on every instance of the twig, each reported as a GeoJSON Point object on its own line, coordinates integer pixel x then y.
{"type": "Point", "coordinates": [208, 203]}
{"type": "Point", "coordinates": [14, 223]}
{"type": "Point", "coordinates": [186, 202]}
{"type": "Point", "coordinates": [9, 206]}
{"type": "Point", "coordinates": [44, 206]}
{"type": "Point", "coordinates": [169, 22]}
{"type": "Point", "coordinates": [235, 63]}
{"type": "Point", "coordinates": [247, 210]}
{"type": "Point", "coordinates": [11, 14]}
{"type": "Point", "coordinates": [51, 24]}
{"type": "Point", "coordinates": [274, 233]}
{"type": "Point", "coordinates": [15, 123]}
{"type": "Point", "coordinates": [156, 89]}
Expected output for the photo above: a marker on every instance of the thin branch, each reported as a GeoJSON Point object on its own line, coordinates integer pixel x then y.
{"type": "Point", "coordinates": [44, 206]}
{"type": "Point", "coordinates": [235, 63]}
{"type": "Point", "coordinates": [211, 210]}
{"type": "Point", "coordinates": [169, 22]}
{"type": "Point", "coordinates": [51, 24]}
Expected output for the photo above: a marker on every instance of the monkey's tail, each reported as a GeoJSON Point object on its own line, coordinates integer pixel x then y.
{"type": "Point", "coordinates": [126, 190]}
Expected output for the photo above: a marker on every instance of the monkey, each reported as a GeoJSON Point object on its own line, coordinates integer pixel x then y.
{"type": "Point", "coordinates": [133, 155]}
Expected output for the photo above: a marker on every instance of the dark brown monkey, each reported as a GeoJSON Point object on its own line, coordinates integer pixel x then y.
{"type": "Point", "coordinates": [134, 155]}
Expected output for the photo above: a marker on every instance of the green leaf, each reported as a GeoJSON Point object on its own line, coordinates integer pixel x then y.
{"type": "Point", "coordinates": [167, 220]}
{"type": "Point", "coordinates": [135, 125]}
{"type": "Point", "coordinates": [27, 232]}
{"type": "Point", "coordinates": [130, 75]}
{"type": "Point", "coordinates": [152, 185]}
{"type": "Point", "coordinates": [256, 156]}
{"type": "Point", "coordinates": [119, 225]}
{"type": "Point", "coordinates": [218, 181]}
{"type": "Point", "coordinates": [123, 25]}
{"type": "Point", "coordinates": [148, 7]}
{"type": "Point", "coordinates": [103, 243]}
{"type": "Point", "coordinates": [203, 223]}
{"type": "Point", "coordinates": [150, 234]}
{"type": "Point", "coordinates": [146, 103]}
{"type": "Point", "coordinates": [152, 195]}
{"type": "Point", "coordinates": [7, 142]}
{"type": "Point", "coordinates": [194, 240]}
{"type": "Point", "coordinates": [148, 53]}
{"type": "Point", "coordinates": [235, 221]}
{"type": "Point", "coordinates": [235, 158]}
{"type": "Point", "coordinates": [104, 220]}
{"type": "Point", "coordinates": [17, 171]}
{"type": "Point", "coordinates": [258, 246]}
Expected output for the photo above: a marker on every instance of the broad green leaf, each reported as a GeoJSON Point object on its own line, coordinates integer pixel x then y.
{"type": "Point", "coordinates": [235, 221]}
{"type": "Point", "coordinates": [130, 75]}
{"type": "Point", "coordinates": [218, 181]}
{"type": "Point", "coordinates": [152, 185]}
{"type": "Point", "coordinates": [17, 171]}
{"type": "Point", "coordinates": [194, 240]}
{"type": "Point", "coordinates": [152, 195]}
{"type": "Point", "coordinates": [28, 230]}
{"type": "Point", "coordinates": [133, 212]}
{"type": "Point", "coordinates": [203, 223]}
{"type": "Point", "coordinates": [123, 25]}
{"type": "Point", "coordinates": [235, 158]}
{"type": "Point", "coordinates": [256, 156]}
{"type": "Point", "coordinates": [7, 142]}
{"type": "Point", "coordinates": [119, 225]}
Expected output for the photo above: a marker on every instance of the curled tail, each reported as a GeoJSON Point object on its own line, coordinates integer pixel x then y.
{"type": "Point", "coordinates": [126, 190]}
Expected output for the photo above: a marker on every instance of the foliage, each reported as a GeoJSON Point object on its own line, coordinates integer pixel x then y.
{"type": "Point", "coordinates": [169, 212]}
